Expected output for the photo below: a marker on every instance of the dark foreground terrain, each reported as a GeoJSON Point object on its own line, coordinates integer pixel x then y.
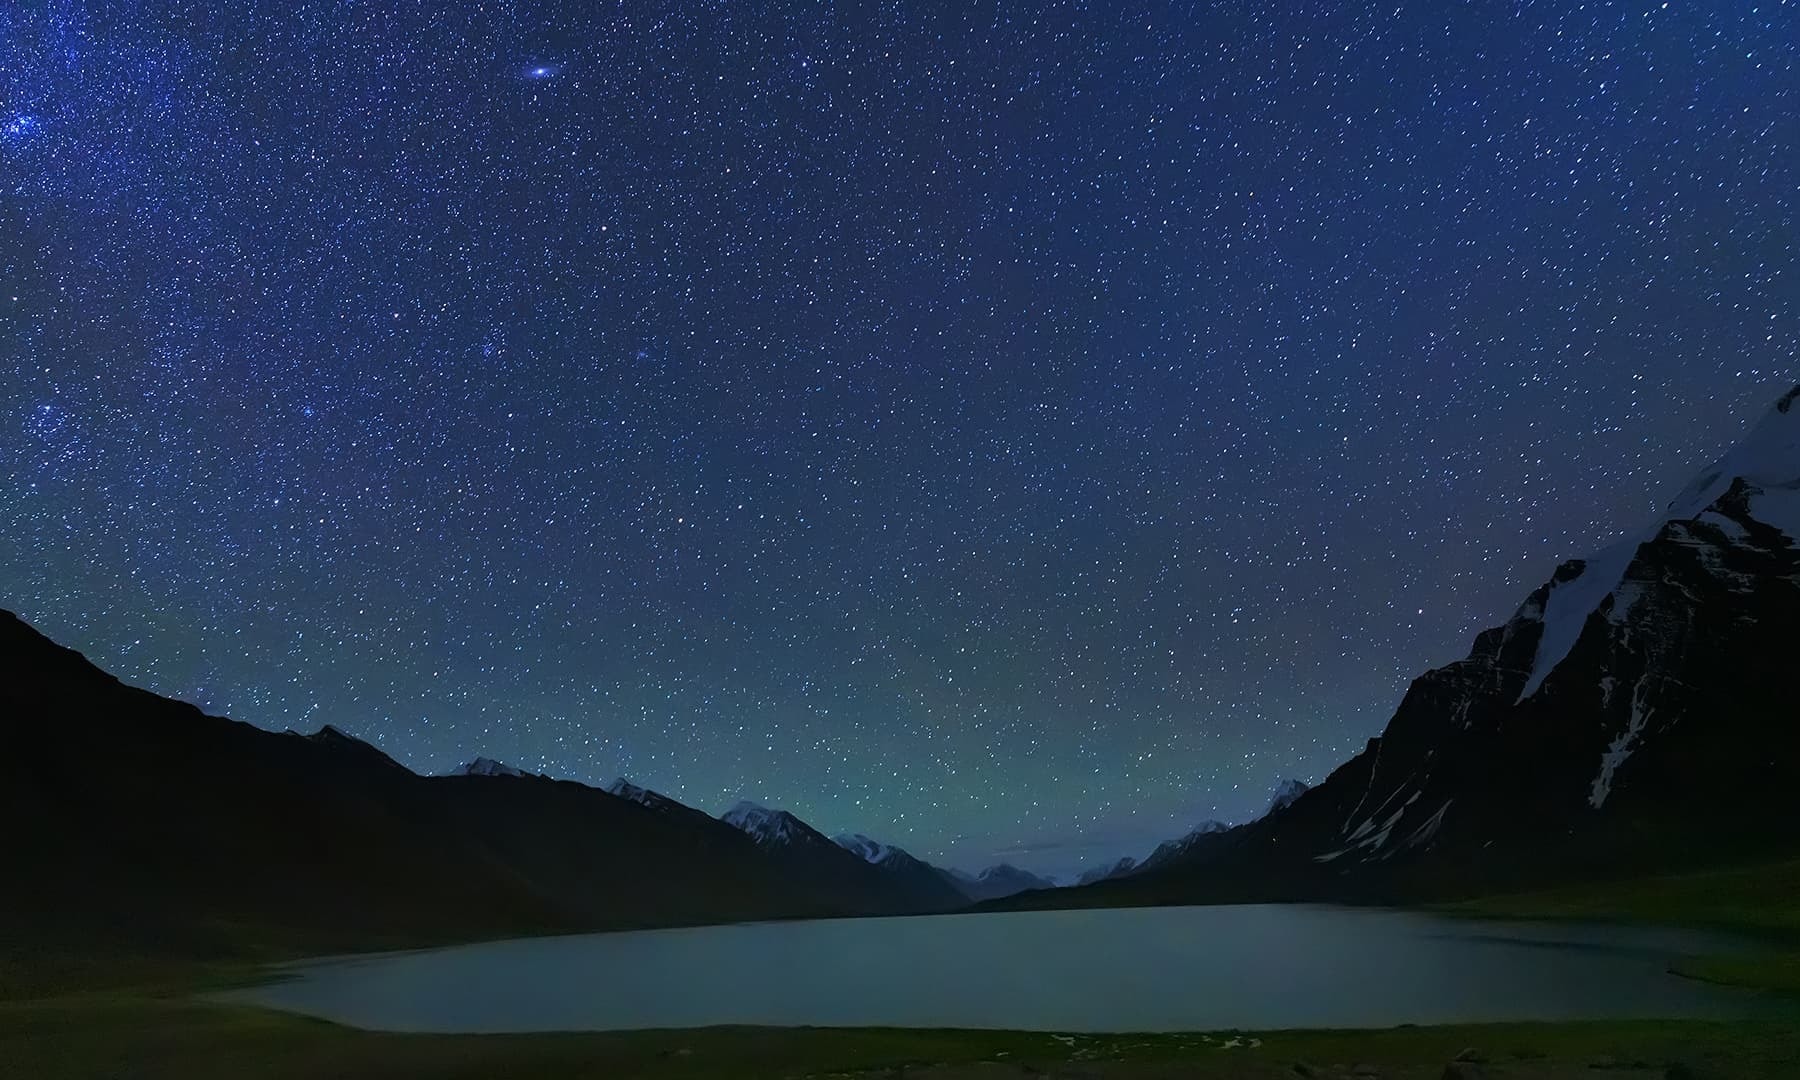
{"type": "Point", "coordinates": [151, 1036]}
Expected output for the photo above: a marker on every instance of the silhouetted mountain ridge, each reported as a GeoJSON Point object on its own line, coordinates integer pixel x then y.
{"type": "Point", "coordinates": [159, 828]}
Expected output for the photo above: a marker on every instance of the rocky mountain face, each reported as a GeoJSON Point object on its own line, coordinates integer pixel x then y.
{"type": "Point", "coordinates": [931, 887]}
{"type": "Point", "coordinates": [1636, 712]}
{"type": "Point", "coordinates": [159, 830]}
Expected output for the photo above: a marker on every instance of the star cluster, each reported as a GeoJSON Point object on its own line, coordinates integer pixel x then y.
{"type": "Point", "coordinates": [999, 428]}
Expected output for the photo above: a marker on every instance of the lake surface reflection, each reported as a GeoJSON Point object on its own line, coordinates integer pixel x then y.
{"type": "Point", "coordinates": [1133, 969]}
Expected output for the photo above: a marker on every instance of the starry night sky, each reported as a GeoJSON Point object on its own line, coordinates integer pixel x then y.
{"type": "Point", "coordinates": [1008, 430]}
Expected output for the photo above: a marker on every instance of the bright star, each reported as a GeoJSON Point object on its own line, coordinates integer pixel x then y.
{"type": "Point", "coordinates": [542, 71]}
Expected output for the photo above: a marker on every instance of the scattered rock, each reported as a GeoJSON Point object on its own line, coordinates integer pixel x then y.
{"type": "Point", "coordinates": [1471, 1055]}
{"type": "Point", "coordinates": [1463, 1070]}
{"type": "Point", "coordinates": [1301, 1068]}
{"type": "Point", "coordinates": [1366, 1071]}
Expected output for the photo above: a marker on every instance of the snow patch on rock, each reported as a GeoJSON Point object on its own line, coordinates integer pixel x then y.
{"type": "Point", "coordinates": [1621, 747]}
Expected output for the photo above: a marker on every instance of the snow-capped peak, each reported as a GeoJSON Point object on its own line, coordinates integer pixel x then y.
{"type": "Point", "coordinates": [764, 825]}
{"type": "Point", "coordinates": [482, 766]}
{"type": "Point", "coordinates": [1286, 792]}
{"type": "Point", "coordinates": [1768, 459]}
{"type": "Point", "coordinates": [870, 851]}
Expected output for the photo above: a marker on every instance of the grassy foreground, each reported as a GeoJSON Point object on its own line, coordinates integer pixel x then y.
{"type": "Point", "coordinates": [146, 1036]}
{"type": "Point", "coordinates": [1761, 900]}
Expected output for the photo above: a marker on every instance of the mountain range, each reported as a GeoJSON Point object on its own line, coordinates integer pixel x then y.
{"type": "Point", "coordinates": [157, 827]}
{"type": "Point", "coordinates": [1635, 713]}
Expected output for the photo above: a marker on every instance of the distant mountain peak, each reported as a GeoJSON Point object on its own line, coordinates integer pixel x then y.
{"type": "Point", "coordinates": [1001, 879]}
{"type": "Point", "coordinates": [1116, 868]}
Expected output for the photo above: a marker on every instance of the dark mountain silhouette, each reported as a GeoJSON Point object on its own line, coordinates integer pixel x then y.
{"type": "Point", "coordinates": [1184, 848]}
{"type": "Point", "coordinates": [929, 887]}
{"type": "Point", "coordinates": [146, 826]}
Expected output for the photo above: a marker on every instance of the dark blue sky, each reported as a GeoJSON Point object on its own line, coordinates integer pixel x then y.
{"type": "Point", "coordinates": [988, 427]}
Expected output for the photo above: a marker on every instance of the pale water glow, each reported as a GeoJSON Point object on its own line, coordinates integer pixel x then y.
{"type": "Point", "coordinates": [1146, 969]}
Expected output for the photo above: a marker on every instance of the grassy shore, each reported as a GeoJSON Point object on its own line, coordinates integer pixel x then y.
{"type": "Point", "coordinates": [1761, 902]}
{"type": "Point", "coordinates": [149, 1036]}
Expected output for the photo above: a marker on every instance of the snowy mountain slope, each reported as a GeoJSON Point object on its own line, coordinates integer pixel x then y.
{"type": "Point", "coordinates": [773, 828]}
{"type": "Point", "coordinates": [1766, 463]}
{"type": "Point", "coordinates": [1636, 712]}
{"type": "Point", "coordinates": [871, 851]}
{"type": "Point", "coordinates": [1644, 684]}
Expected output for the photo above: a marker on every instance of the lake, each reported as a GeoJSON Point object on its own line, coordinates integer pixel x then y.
{"type": "Point", "coordinates": [1134, 969]}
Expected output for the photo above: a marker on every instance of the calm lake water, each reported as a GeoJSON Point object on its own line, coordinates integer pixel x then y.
{"type": "Point", "coordinates": [1144, 969]}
